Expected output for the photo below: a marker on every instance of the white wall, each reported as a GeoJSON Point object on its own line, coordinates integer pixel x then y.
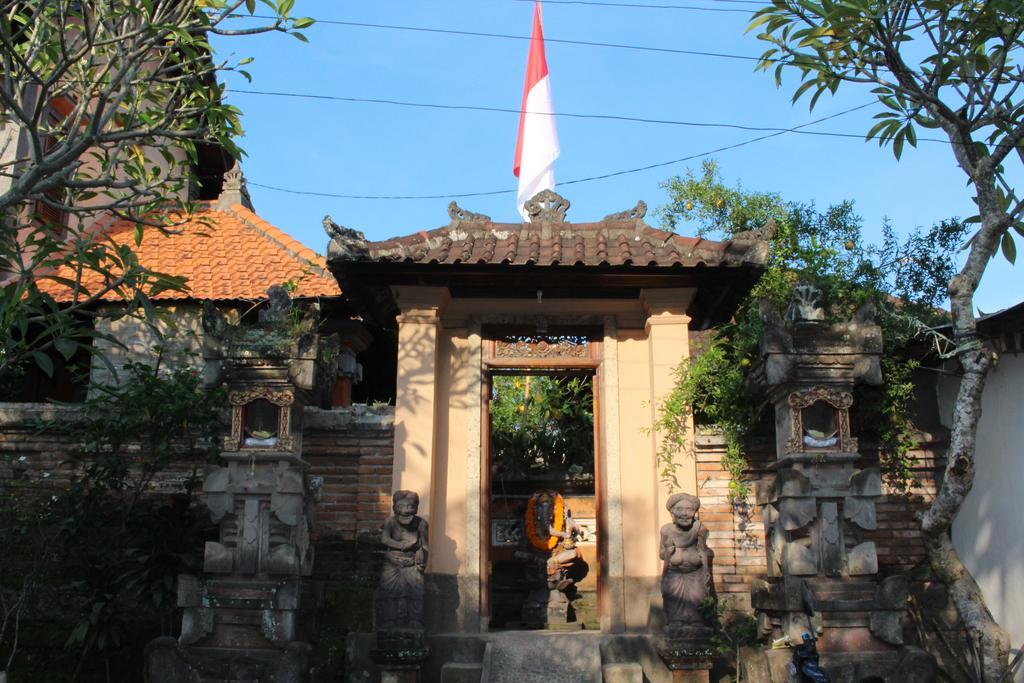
{"type": "Point", "coordinates": [182, 333]}
{"type": "Point", "coordinates": [989, 531]}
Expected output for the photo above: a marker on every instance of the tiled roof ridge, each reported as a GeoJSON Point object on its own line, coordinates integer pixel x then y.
{"type": "Point", "coordinates": [613, 242]}
{"type": "Point", "coordinates": [276, 236]}
{"type": "Point", "coordinates": [608, 230]}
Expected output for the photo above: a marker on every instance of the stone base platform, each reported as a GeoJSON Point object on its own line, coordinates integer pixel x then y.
{"type": "Point", "coordinates": [906, 665]}
{"type": "Point", "coordinates": [527, 656]}
{"type": "Point", "coordinates": [169, 662]}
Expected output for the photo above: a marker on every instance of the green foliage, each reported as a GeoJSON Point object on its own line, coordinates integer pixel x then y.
{"type": "Point", "coordinates": [542, 425]}
{"type": "Point", "coordinates": [105, 106]}
{"type": "Point", "coordinates": [949, 67]}
{"type": "Point", "coordinates": [711, 388]}
{"type": "Point", "coordinates": [114, 545]}
{"type": "Point", "coordinates": [736, 629]}
{"type": "Point", "coordinates": [904, 278]}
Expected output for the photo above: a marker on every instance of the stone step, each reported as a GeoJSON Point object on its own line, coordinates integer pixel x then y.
{"type": "Point", "coordinates": [544, 657]}
{"type": "Point", "coordinates": [462, 672]}
{"type": "Point", "coordinates": [622, 673]}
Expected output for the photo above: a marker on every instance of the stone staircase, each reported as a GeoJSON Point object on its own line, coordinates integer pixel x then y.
{"type": "Point", "coordinates": [548, 657]}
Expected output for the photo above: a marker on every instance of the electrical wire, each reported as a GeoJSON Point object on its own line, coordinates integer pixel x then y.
{"type": "Point", "coordinates": [760, 3]}
{"type": "Point", "coordinates": [577, 181]}
{"type": "Point", "coordinates": [571, 115]}
{"type": "Point", "coordinates": [623, 4]}
{"type": "Point", "coordinates": [547, 39]}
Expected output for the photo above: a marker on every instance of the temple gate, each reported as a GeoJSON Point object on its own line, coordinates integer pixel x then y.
{"type": "Point", "coordinates": [611, 301]}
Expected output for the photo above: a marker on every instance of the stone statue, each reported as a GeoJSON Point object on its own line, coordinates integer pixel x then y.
{"type": "Point", "coordinates": [400, 593]}
{"type": "Point", "coordinates": [686, 578]}
{"type": "Point", "coordinates": [551, 559]}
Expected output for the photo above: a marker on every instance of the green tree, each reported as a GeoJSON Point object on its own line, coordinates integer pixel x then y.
{"type": "Point", "coordinates": [103, 107]}
{"type": "Point", "coordinates": [542, 425]}
{"type": "Point", "coordinates": [827, 249]}
{"type": "Point", "coordinates": [951, 67]}
{"type": "Point", "coordinates": [97, 557]}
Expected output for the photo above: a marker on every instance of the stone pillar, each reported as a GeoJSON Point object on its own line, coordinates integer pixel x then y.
{"type": "Point", "coordinates": [419, 325]}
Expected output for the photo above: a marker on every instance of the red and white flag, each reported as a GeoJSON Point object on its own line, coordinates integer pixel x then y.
{"type": "Point", "coordinates": [537, 144]}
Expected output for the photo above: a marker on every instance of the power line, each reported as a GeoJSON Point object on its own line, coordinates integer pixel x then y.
{"type": "Point", "coordinates": [760, 3]}
{"type": "Point", "coordinates": [572, 115]}
{"type": "Point", "coordinates": [577, 181]}
{"type": "Point", "coordinates": [637, 6]}
{"type": "Point", "coordinates": [547, 39]}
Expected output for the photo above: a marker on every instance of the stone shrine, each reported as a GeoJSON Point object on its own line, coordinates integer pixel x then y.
{"type": "Point", "coordinates": [822, 573]}
{"type": "Point", "coordinates": [251, 614]}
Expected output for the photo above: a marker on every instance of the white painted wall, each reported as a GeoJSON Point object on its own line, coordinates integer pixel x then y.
{"type": "Point", "coordinates": [181, 330]}
{"type": "Point", "coordinates": [989, 531]}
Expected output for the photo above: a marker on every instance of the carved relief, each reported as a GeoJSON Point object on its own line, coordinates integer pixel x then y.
{"type": "Point", "coordinates": [542, 346]}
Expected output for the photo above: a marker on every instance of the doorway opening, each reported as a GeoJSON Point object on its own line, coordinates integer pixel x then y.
{"type": "Point", "coordinates": [543, 508]}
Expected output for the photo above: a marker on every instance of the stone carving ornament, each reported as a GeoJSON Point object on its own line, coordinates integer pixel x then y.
{"type": "Point", "coordinates": [805, 304]}
{"type": "Point", "coordinates": [547, 205]}
{"type": "Point", "coordinates": [459, 215]}
{"type": "Point", "coordinates": [636, 213]}
{"type": "Point", "coordinates": [345, 243]}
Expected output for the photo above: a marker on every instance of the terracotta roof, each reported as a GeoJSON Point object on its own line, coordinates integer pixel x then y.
{"type": "Point", "coordinates": [615, 241]}
{"type": "Point", "coordinates": [226, 254]}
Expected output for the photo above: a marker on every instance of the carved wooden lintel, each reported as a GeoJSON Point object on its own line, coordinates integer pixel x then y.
{"type": "Point", "coordinates": [542, 346]}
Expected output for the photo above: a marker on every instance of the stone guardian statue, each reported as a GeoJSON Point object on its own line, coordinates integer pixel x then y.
{"type": "Point", "coordinates": [686, 577]}
{"type": "Point", "coordinates": [400, 593]}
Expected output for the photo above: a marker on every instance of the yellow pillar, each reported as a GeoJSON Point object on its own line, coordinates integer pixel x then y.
{"type": "Point", "coordinates": [418, 364]}
{"type": "Point", "coordinates": [668, 334]}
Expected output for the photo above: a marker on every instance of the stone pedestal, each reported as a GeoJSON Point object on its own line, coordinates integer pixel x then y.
{"type": "Point", "coordinates": [688, 653]}
{"type": "Point", "coordinates": [688, 668]}
{"type": "Point", "coordinates": [400, 656]}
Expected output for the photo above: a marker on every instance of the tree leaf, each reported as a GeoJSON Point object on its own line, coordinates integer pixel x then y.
{"type": "Point", "coordinates": [1009, 248]}
{"type": "Point", "coordinates": [44, 362]}
{"type": "Point", "coordinates": [66, 347]}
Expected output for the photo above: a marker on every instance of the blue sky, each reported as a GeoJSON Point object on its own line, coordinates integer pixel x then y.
{"type": "Point", "coordinates": [375, 149]}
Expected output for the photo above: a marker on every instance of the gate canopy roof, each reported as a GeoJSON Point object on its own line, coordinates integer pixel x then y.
{"type": "Point", "coordinates": [475, 256]}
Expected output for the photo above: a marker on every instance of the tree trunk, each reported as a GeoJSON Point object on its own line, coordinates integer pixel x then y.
{"type": "Point", "coordinates": [976, 360]}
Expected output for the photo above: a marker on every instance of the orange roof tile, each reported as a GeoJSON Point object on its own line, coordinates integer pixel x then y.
{"type": "Point", "coordinates": [228, 254]}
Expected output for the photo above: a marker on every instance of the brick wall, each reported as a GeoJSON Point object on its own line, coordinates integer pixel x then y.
{"type": "Point", "coordinates": [737, 532]}
{"type": "Point", "coordinates": [351, 449]}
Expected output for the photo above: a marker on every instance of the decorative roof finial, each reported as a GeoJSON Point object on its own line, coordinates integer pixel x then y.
{"type": "Point", "coordinates": [547, 205]}
{"type": "Point", "coordinates": [234, 190]}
